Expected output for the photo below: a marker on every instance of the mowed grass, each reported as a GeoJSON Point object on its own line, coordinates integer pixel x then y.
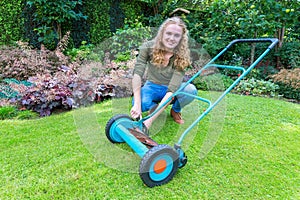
{"type": "Point", "coordinates": [255, 155]}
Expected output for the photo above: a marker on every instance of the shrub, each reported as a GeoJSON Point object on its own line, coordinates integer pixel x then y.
{"type": "Point", "coordinates": [24, 62]}
{"type": "Point", "coordinates": [262, 72]}
{"type": "Point", "coordinates": [67, 89]}
{"type": "Point", "coordinates": [289, 55]}
{"type": "Point", "coordinates": [8, 112]}
{"type": "Point", "coordinates": [9, 88]}
{"type": "Point", "coordinates": [66, 86]}
{"type": "Point", "coordinates": [11, 21]}
{"type": "Point", "coordinates": [7, 92]}
{"type": "Point", "coordinates": [124, 41]}
{"type": "Point", "coordinates": [215, 82]}
{"type": "Point", "coordinates": [256, 87]}
{"type": "Point", "coordinates": [26, 114]}
{"type": "Point", "coordinates": [12, 112]}
{"type": "Point", "coordinates": [81, 53]}
{"type": "Point", "coordinates": [46, 94]}
{"type": "Point", "coordinates": [289, 83]}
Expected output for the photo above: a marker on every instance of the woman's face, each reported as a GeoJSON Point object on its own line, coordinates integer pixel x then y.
{"type": "Point", "coordinates": [172, 36]}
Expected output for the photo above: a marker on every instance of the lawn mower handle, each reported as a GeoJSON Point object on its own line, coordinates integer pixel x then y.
{"type": "Point", "coordinates": [244, 71]}
{"type": "Point", "coordinates": [273, 41]}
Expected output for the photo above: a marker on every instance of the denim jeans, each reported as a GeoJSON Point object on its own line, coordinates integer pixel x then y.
{"type": "Point", "coordinates": [152, 94]}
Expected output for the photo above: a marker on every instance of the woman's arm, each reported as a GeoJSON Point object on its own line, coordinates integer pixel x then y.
{"type": "Point", "coordinates": [139, 70]}
{"type": "Point", "coordinates": [136, 110]}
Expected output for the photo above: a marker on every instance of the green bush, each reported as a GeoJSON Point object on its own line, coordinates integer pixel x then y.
{"type": "Point", "coordinates": [8, 112]}
{"type": "Point", "coordinates": [124, 41]}
{"type": "Point", "coordinates": [27, 114]}
{"type": "Point", "coordinates": [81, 53]}
{"type": "Point", "coordinates": [11, 21]}
{"type": "Point", "coordinates": [289, 55]}
{"type": "Point", "coordinates": [53, 17]}
{"type": "Point", "coordinates": [214, 82]}
{"type": "Point", "coordinates": [98, 20]}
{"type": "Point", "coordinates": [262, 73]}
{"type": "Point", "coordinates": [12, 112]}
{"type": "Point", "coordinates": [123, 56]}
{"type": "Point", "coordinates": [256, 87]}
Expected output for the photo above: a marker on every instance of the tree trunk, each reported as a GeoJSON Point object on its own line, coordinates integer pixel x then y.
{"type": "Point", "coordinates": [252, 55]}
{"type": "Point", "coordinates": [280, 35]}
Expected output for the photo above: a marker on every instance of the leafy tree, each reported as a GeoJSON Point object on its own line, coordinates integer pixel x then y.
{"type": "Point", "coordinates": [218, 21]}
{"type": "Point", "coordinates": [51, 15]}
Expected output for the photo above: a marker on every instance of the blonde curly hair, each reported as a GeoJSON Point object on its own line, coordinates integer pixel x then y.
{"type": "Point", "coordinates": [181, 52]}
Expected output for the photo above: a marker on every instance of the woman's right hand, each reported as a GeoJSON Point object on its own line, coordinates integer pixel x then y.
{"type": "Point", "coordinates": [136, 111]}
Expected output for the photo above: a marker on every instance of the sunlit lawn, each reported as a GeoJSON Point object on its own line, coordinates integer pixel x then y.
{"type": "Point", "coordinates": [254, 155]}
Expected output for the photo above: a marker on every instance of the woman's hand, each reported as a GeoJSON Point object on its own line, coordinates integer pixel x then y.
{"type": "Point", "coordinates": [136, 111]}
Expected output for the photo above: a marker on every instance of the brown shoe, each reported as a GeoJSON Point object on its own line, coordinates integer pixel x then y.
{"type": "Point", "coordinates": [176, 116]}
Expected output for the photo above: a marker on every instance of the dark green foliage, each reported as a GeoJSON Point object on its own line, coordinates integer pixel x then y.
{"type": "Point", "coordinates": [289, 55]}
{"type": "Point", "coordinates": [124, 41]}
{"type": "Point", "coordinates": [116, 16]}
{"type": "Point", "coordinates": [214, 82]}
{"type": "Point", "coordinates": [29, 24]}
{"type": "Point", "coordinates": [51, 17]}
{"type": "Point", "coordinates": [262, 72]}
{"type": "Point", "coordinates": [129, 39]}
{"type": "Point", "coordinates": [289, 92]}
{"type": "Point", "coordinates": [98, 20]}
{"type": "Point", "coordinates": [79, 27]}
{"type": "Point", "coordinates": [11, 21]}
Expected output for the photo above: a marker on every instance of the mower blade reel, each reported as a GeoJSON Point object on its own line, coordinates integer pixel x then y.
{"type": "Point", "coordinates": [143, 138]}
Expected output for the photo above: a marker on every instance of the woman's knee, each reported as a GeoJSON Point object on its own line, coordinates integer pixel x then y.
{"type": "Point", "coordinates": [191, 89]}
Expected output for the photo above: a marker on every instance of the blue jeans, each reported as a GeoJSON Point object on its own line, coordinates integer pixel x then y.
{"type": "Point", "coordinates": [152, 94]}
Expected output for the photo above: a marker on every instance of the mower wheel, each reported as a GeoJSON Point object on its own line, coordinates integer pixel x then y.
{"type": "Point", "coordinates": [159, 165]}
{"type": "Point", "coordinates": [110, 131]}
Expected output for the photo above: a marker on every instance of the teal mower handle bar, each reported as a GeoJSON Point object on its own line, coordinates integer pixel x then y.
{"type": "Point", "coordinates": [273, 41]}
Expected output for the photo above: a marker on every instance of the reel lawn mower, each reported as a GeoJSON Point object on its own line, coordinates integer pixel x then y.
{"type": "Point", "coordinates": [160, 162]}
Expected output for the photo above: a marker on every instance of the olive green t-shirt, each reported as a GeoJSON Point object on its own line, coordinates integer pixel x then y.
{"type": "Point", "coordinates": [169, 75]}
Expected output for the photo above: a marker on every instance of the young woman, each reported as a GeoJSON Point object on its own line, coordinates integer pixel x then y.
{"type": "Point", "coordinates": [165, 59]}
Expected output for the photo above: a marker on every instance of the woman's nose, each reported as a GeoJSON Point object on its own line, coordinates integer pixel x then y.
{"type": "Point", "coordinates": [172, 37]}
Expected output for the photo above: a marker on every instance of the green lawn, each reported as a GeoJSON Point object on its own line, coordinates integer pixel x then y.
{"type": "Point", "coordinates": [254, 155]}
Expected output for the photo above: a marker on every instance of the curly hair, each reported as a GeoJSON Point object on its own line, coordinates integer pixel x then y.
{"type": "Point", "coordinates": [181, 52]}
